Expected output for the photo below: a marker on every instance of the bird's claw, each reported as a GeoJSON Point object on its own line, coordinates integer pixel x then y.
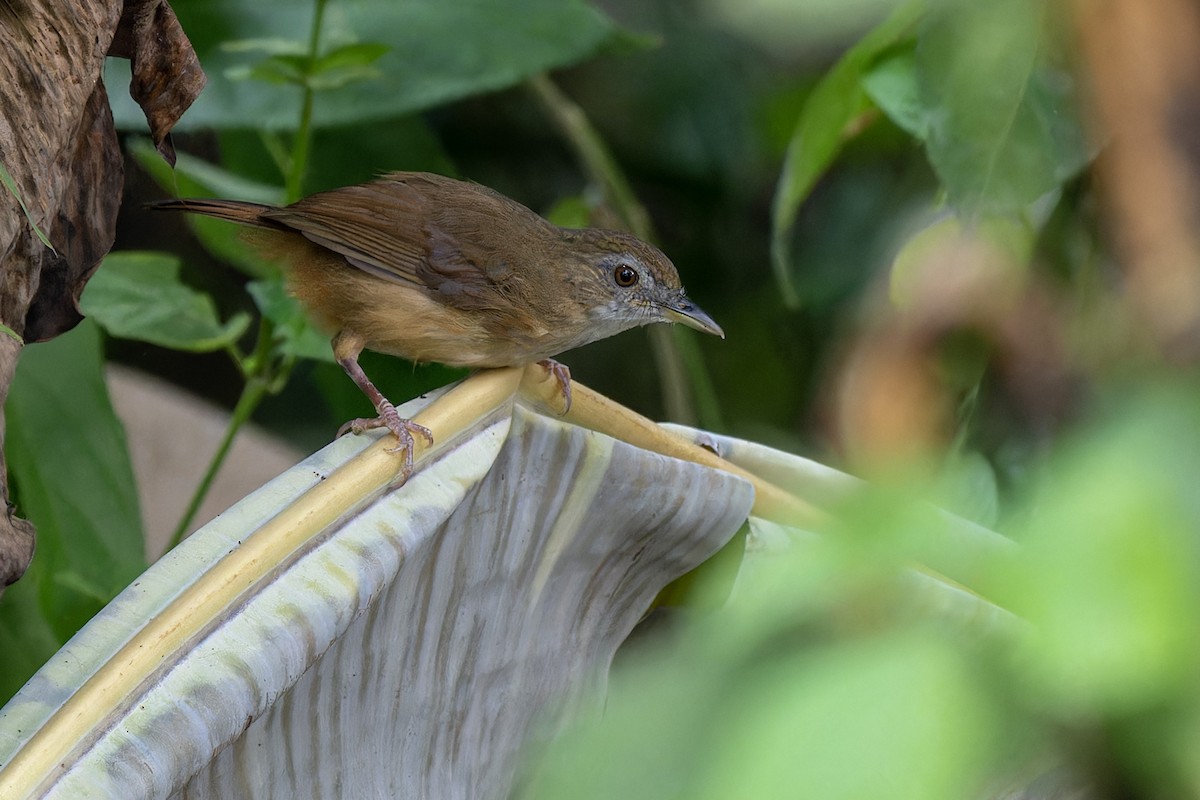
{"type": "Point", "coordinates": [562, 374]}
{"type": "Point", "coordinates": [403, 429]}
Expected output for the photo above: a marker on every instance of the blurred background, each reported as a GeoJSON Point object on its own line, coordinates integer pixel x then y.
{"type": "Point", "coordinates": [952, 245]}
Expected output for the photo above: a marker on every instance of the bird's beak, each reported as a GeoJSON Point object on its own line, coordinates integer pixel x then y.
{"type": "Point", "coordinates": [688, 313]}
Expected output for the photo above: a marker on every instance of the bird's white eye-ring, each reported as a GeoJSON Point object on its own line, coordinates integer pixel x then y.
{"type": "Point", "coordinates": [625, 275]}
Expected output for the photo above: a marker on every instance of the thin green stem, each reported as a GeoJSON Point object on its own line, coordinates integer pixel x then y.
{"type": "Point", "coordinates": [258, 362]}
{"type": "Point", "coordinates": [277, 151]}
{"type": "Point", "coordinates": [688, 392]}
{"type": "Point", "coordinates": [590, 149]}
{"type": "Point", "coordinates": [252, 394]}
{"type": "Point", "coordinates": [265, 370]}
{"type": "Point", "coordinates": [261, 378]}
{"type": "Point", "coordinates": [303, 141]}
{"type": "Point", "coordinates": [708, 407]}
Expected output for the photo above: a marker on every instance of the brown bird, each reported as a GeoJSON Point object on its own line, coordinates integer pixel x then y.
{"type": "Point", "coordinates": [434, 269]}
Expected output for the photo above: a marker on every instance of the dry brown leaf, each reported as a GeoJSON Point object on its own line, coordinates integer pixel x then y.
{"type": "Point", "coordinates": [58, 143]}
{"type": "Point", "coordinates": [167, 77]}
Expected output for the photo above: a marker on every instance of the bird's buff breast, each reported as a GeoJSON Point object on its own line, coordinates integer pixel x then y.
{"type": "Point", "coordinates": [406, 321]}
{"type": "Point", "coordinates": [432, 332]}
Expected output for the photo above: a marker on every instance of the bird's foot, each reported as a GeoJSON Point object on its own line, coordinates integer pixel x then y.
{"type": "Point", "coordinates": [403, 429]}
{"type": "Point", "coordinates": [561, 374]}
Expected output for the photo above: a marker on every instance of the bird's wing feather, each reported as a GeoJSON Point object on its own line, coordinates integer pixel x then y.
{"type": "Point", "coordinates": [405, 229]}
{"type": "Point", "coordinates": [380, 232]}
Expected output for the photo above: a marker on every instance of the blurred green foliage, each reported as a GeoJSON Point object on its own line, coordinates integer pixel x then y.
{"type": "Point", "coordinates": [823, 676]}
{"type": "Point", "coordinates": [378, 59]}
{"type": "Point", "coordinates": [916, 171]}
{"type": "Point", "coordinates": [70, 471]}
{"type": "Point", "coordinates": [139, 296]}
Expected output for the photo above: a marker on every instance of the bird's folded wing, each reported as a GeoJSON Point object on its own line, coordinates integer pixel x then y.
{"type": "Point", "coordinates": [385, 229]}
{"type": "Point", "coordinates": [380, 231]}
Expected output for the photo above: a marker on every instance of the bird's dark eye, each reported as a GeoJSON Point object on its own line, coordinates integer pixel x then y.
{"type": "Point", "coordinates": [625, 275]}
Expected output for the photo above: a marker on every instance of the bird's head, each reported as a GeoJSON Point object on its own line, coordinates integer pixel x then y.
{"type": "Point", "coordinates": [626, 282]}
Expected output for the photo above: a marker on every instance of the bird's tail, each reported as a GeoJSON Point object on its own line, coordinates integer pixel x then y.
{"type": "Point", "coordinates": [233, 210]}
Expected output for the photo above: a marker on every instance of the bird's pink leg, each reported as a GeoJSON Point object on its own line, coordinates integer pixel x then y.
{"type": "Point", "coordinates": [563, 375]}
{"type": "Point", "coordinates": [346, 347]}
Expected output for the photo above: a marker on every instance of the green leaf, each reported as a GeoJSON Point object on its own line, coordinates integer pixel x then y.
{"type": "Point", "coordinates": [138, 295]}
{"type": "Point", "coordinates": [892, 85]}
{"type": "Point", "coordinates": [791, 711]}
{"type": "Point", "coordinates": [821, 130]}
{"type": "Point", "coordinates": [335, 69]}
{"type": "Point", "coordinates": [572, 211]}
{"type": "Point", "coordinates": [1110, 573]}
{"type": "Point", "coordinates": [11, 186]}
{"type": "Point", "coordinates": [343, 76]}
{"type": "Point", "coordinates": [194, 177]}
{"type": "Point", "coordinates": [27, 635]}
{"type": "Point", "coordinates": [438, 52]}
{"type": "Point", "coordinates": [344, 155]}
{"type": "Point", "coordinates": [345, 65]}
{"type": "Point", "coordinates": [1003, 125]}
{"type": "Point", "coordinates": [269, 45]}
{"type": "Point", "coordinates": [908, 700]}
{"type": "Point", "coordinates": [297, 335]}
{"type": "Point", "coordinates": [280, 70]}
{"type": "Point", "coordinates": [72, 477]}
{"type": "Point", "coordinates": [359, 54]}
{"type": "Point", "coordinates": [83, 585]}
